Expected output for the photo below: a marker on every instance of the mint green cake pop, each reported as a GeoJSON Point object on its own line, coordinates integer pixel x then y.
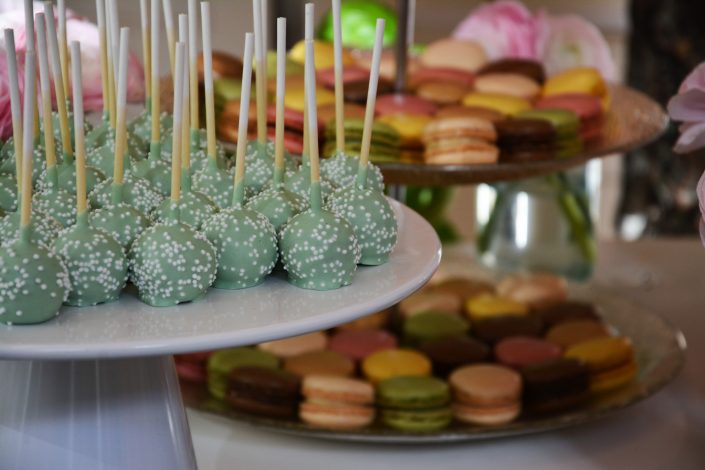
{"type": "Point", "coordinates": [141, 126]}
{"type": "Point", "coordinates": [136, 192]}
{"type": "Point", "coordinates": [57, 202]}
{"type": "Point", "coordinates": [154, 169]}
{"type": "Point", "coordinates": [121, 221]}
{"type": "Point", "coordinates": [341, 170]}
{"type": "Point", "coordinates": [43, 230]}
{"type": "Point", "coordinates": [8, 192]}
{"type": "Point", "coordinates": [215, 183]}
{"type": "Point", "coordinates": [299, 181]}
{"type": "Point", "coordinates": [278, 205]}
{"type": "Point", "coordinates": [103, 157]}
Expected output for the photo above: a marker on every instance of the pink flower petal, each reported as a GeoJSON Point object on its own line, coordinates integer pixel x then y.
{"type": "Point", "coordinates": [688, 106]}
{"type": "Point", "coordinates": [694, 80]}
{"type": "Point", "coordinates": [692, 138]}
{"type": "Point", "coordinates": [700, 191]}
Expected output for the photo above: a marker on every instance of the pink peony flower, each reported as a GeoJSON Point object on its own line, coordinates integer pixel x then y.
{"type": "Point", "coordinates": [688, 107]}
{"type": "Point", "coordinates": [504, 28]}
{"type": "Point", "coordinates": [78, 29]}
{"type": "Point", "coordinates": [566, 41]}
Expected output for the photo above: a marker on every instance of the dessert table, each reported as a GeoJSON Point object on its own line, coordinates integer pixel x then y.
{"type": "Point", "coordinates": [665, 431]}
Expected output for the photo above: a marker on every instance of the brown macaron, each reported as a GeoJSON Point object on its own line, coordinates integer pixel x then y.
{"type": "Point", "coordinates": [494, 329]}
{"type": "Point", "coordinates": [319, 363]}
{"type": "Point", "coordinates": [451, 352]}
{"type": "Point", "coordinates": [263, 391]}
{"type": "Point", "coordinates": [570, 333]}
{"type": "Point", "coordinates": [486, 394]}
{"type": "Point", "coordinates": [569, 310]}
{"type": "Point", "coordinates": [471, 111]}
{"type": "Point", "coordinates": [442, 93]}
{"type": "Point", "coordinates": [526, 67]}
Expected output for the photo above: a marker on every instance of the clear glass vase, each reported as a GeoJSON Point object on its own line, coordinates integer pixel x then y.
{"type": "Point", "coordinates": [541, 224]}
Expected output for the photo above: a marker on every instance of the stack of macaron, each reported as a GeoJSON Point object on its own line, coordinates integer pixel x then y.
{"type": "Point", "coordinates": [460, 140]}
{"type": "Point", "coordinates": [384, 146]}
{"type": "Point", "coordinates": [461, 350]}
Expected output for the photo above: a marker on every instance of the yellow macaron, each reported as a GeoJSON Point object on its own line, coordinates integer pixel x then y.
{"type": "Point", "coordinates": [409, 126]}
{"type": "Point", "coordinates": [295, 99]}
{"type": "Point", "coordinates": [578, 80]}
{"type": "Point", "coordinates": [487, 305]}
{"type": "Point", "coordinates": [395, 362]}
{"type": "Point", "coordinates": [602, 354]}
{"type": "Point", "coordinates": [505, 104]}
{"type": "Point", "coordinates": [323, 53]}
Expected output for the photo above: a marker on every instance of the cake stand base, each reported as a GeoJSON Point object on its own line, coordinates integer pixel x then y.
{"type": "Point", "coordinates": [111, 414]}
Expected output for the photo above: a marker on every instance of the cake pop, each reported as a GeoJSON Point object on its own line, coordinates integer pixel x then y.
{"type": "Point", "coordinates": [245, 241]}
{"type": "Point", "coordinates": [66, 169]}
{"type": "Point", "coordinates": [276, 203]}
{"type": "Point", "coordinates": [153, 168]}
{"type": "Point", "coordinates": [8, 191]}
{"type": "Point", "coordinates": [52, 199]}
{"type": "Point", "coordinates": [318, 248]}
{"type": "Point", "coordinates": [95, 261]}
{"type": "Point", "coordinates": [367, 209]}
{"type": "Point", "coordinates": [97, 136]}
{"type": "Point", "coordinates": [33, 280]}
{"type": "Point", "coordinates": [342, 169]}
{"type": "Point", "coordinates": [195, 207]}
{"type": "Point", "coordinates": [170, 262]}
{"type": "Point", "coordinates": [214, 182]}
{"type": "Point", "coordinates": [142, 124]}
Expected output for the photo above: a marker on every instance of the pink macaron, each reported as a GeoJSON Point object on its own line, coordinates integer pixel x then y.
{"type": "Point", "coordinates": [358, 344]}
{"type": "Point", "coordinates": [521, 351]}
{"type": "Point", "coordinates": [399, 103]}
{"type": "Point", "coordinates": [326, 77]}
{"type": "Point", "coordinates": [441, 74]}
{"type": "Point", "coordinates": [586, 106]}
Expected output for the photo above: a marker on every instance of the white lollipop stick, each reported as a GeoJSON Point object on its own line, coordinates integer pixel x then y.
{"type": "Point", "coordinates": [81, 205]}
{"type": "Point", "coordinates": [338, 70]}
{"type": "Point", "coordinates": [193, 63]}
{"type": "Point", "coordinates": [239, 191]}
{"type": "Point", "coordinates": [121, 130]}
{"type": "Point", "coordinates": [63, 46]}
{"type": "Point", "coordinates": [29, 23]}
{"type": "Point", "coordinates": [45, 87]}
{"type": "Point", "coordinates": [370, 108]}
{"type": "Point", "coordinates": [146, 49]}
{"type": "Point", "coordinates": [156, 99]}
{"type": "Point", "coordinates": [170, 34]}
{"type": "Point", "coordinates": [180, 71]}
{"type": "Point", "coordinates": [185, 126]}
{"type": "Point", "coordinates": [308, 35]}
{"type": "Point", "coordinates": [261, 77]}
{"type": "Point", "coordinates": [114, 32]}
{"type": "Point", "coordinates": [208, 76]}
{"type": "Point", "coordinates": [15, 103]}
{"type": "Point", "coordinates": [310, 80]}
{"type": "Point", "coordinates": [104, 70]}
{"type": "Point", "coordinates": [281, 90]}
{"type": "Point", "coordinates": [27, 144]}
{"type": "Point", "coordinates": [58, 83]}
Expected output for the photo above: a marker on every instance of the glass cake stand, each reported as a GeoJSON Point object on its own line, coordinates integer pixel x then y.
{"type": "Point", "coordinates": [96, 387]}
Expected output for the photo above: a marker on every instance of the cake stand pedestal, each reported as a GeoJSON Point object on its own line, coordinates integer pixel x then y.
{"type": "Point", "coordinates": [96, 388]}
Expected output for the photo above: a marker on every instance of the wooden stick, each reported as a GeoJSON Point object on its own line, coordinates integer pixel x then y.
{"type": "Point", "coordinates": [58, 83]}
{"type": "Point", "coordinates": [239, 179]}
{"type": "Point", "coordinates": [281, 90]}
{"type": "Point", "coordinates": [111, 67]}
{"type": "Point", "coordinates": [146, 50]}
{"type": "Point", "coordinates": [100, 15]}
{"type": "Point", "coordinates": [15, 103]}
{"type": "Point", "coordinates": [370, 108]}
{"type": "Point", "coordinates": [310, 79]}
{"type": "Point", "coordinates": [208, 76]}
{"type": "Point", "coordinates": [27, 142]}
{"type": "Point", "coordinates": [308, 35]}
{"type": "Point", "coordinates": [63, 47]}
{"type": "Point", "coordinates": [170, 34]}
{"type": "Point", "coordinates": [261, 76]}
{"type": "Point", "coordinates": [45, 86]}
{"type": "Point", "coordinates": [81, 205]}
{"type": "Point", "coordinates": [179, 72]}
{"type": "Point", "coordinates": [121, 131]}
{"type": "Point", "coordinates": [29, 36]}
{"type": "Point", "coordinates": [193, 63]}
{"type": "Point", "coordinates": [185, 134]}
{"type": "Point", "coordinates": [156, 100]}
{"type": "Point", "coordinates": [338, 69]}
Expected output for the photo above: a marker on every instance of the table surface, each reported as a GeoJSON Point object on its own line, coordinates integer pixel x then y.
{"type": "Point", "coordinates": [666, 431]}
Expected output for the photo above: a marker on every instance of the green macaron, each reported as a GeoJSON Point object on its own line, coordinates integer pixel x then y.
{"type": "Point", "coordinates": [417, 420]}
{"type": "Point", "coordinates": [221, 363]}
{"type": "Point", "coordinates": [431, 325]}
{"type": "Point", "coordinates": [413, 392]}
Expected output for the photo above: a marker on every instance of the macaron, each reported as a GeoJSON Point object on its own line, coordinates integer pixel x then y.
{"type": "Point", "coordinates": [555, 385]}
{"type": "Point", "coordinates": [440, 74]}
{"type": "Point", "coordinates": [409, 127]}
{"type": "Point", "coordinates": [352, 73]}
{"type": "Point", "coordinates": [431, 325]}
{"type": "Point", "coordinates": [323, 53]}
{"type": "Point", "coordinates": [395, 362]}
{"type": "Point", "coordinates": [369, 322]}
{"type": "Point", "coordinates": [192, 367]}
{"type": "Point", "coordinates": [566, 125]}
{"type": "Point", "coordinates": [442, 93]}
{"type": "Point", "coordinates": [326, 113]}
{"type": "Point", "coordinates": [451, 352]}
{"type": "Point", "coordinates": [451, 53]}
{"type": "Point", "coordinates": [471, 111]}
{"type": "Point", "coordinates": [525, 139]}
{"type": "Point", "coordinates": [487, 305]}
{"type": "Point", "coordinates": [511, 84]}
{"type": "Point", "coordinates": [319, 363]}
{"type": "Point", "coordinates": [507, 105]}
{"type": "Point", "coordinates": [587, 107]}
{"type": "Point", "coordinates": [263, 391]}
{"type": "Point", "coordinates": [462, 288]}
{"type": "Point", "coordinates": [534, 289]}
{"type": "Point", "coordinates": [494, 329]}
{"type": "Point", "coordinates": [610, 361]}
{"type": "Point", "coordinates": [426, 300]}
{"type": "Point", "coordinates": [413, 403]}
{"type": "Point", "coordinates": [294, 98]}
{"type": "Point", "coordinates": [526, 67]}
{"type": "Point", "coordinates": [384, 145]}
{"type": "Point", "coordinates": [222, 362]}
{"type": "Point", "coordinates": [578, 80]}
{"type": "Point", "coordinates": [395, 103]}
{"type": "Point", "coordinates": [461, 151]}
{"type": "Point", "coordinates": [570, 333]}
{"type": "Point", "coordinates": [293, 118]}
{"type": "Point", "coordinates": [460, 127]}
{"type": "Point", "coordinates": [486, 394]}
{"type": "Point", "coordinates": [521, 351]}
{"type": "Point", "coordinates": [356, 91]}
{"type": "Point", "coordinates": [296, 345]}
{"type": "Point", "coordinates": [568, 310]}
{"type": "Point", "coordinates": [358, 344]}
{"type": "Point", "coordinates": [337, 402]}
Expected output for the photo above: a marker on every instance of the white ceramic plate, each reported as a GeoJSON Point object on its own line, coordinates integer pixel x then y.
{"type": "Point", "coordinates": [275, 309]}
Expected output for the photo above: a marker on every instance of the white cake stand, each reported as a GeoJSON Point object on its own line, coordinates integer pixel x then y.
{"type": "Point", "coordinates": [96, 388]}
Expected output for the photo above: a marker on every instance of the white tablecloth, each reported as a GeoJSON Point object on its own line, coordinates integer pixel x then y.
{"type": "Point", "coordinates": [666, 431]}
